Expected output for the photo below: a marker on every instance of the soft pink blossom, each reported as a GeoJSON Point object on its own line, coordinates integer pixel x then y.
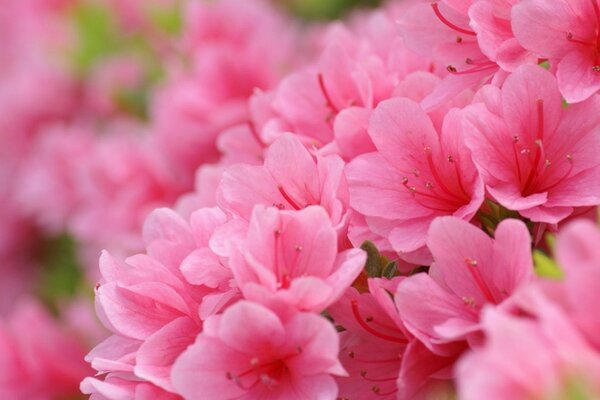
{"type": "Point", "coordinates": [417, 174]}
{"type": "Point", "coordinates": [250, 353]}
{"type": "Point", "coordinates": [40, 358]}
{"type": "Point", "coordinates": [290, 259]}
{"type": "Point", "coordinates": [535, 156]}
{"type": "Point", "coordinates": [232, 49]}
{"type": "Point", "coordinates": [530, 358]}
{"type": "Point", "coordinates": [567, 32]}
{"type": "Point", "coordinates": [291, 179]}
{"type": "Point", "coordinates": [154, 302]}
{"type": "Point", "coordinates": [372, 343]}
{"type": "Point", "coordinates": [470, 270]}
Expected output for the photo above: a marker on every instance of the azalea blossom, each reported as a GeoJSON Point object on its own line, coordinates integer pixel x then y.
{"type": "Point", "coordinates": [557, 362]}
{"type": "Point", "coordinates": [293, 358]}
{"type": "Point", "coordinates": [470, 270]}
{"type": "Point", "coordinates": [417, 174]}
{"type": "Point", "coordinates": [531, 152]}
{"type": "Point", "coordinates": [567, 32]}
{"type": "Point", "coordinates": [291, 259]}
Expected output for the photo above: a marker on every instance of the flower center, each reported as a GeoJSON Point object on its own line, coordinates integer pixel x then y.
{"type": "Point", "coordinates": [438, 195]}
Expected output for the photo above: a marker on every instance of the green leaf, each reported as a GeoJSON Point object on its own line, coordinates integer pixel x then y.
{"type": "Point", "coordinates": [326, 9]}
{"type": "Point", "coordinates": [389, 271]}
{"type": "Point", "coordinates": [97, 35]}
{"type": "Point", "coordinates": [61, 275]}
{"type": "Point", "coordinates": [373, 265]}
{"type": "Point", "coordinates": [545, 266]}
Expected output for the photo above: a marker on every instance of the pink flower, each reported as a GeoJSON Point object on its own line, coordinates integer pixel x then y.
{"type": "Point", "coordinates": [417, 174]}
{"type": "Point", "coordinates": [290, 259]}
{"type": "Point", "coordinates": [470, 270]}
{"type": "Point", "coordinates": [441, 30]}
{"type": "Point", "coordinates": [491, 21]}
{"type": "Point", "coordinates": [123, 179]}
{"type": "Point", "coordinates": [250, 353]}
{"type": "Point", "coordinates": [567, 32]}
{"type": "Point", "coordinates": [40, 358]}
{"type": "Point", "coordinates": [530, 358]}
{"type": "Point", "coordinates": [291, 179]}
{"type": "Point", "coordinates": [578, 255]}
{"type": "Point", "coordinates": [329, 103]}
{"type": "Point", "coordinates": [372, 343]}
{"type": "Point", "coordinates": [233, 49]}
{"type": "Point", "coordinates": [535, 156]}
{"type": "Point", "coordinates": [154, 302]}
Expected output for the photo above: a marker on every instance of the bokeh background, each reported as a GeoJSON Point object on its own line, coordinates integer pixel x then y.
{"type": "Point", "coordinates": [107, 109]}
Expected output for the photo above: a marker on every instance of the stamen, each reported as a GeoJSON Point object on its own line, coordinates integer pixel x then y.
{"type": "Point", "coordinates": [369, 329]}
{"type": "Point", "coordinates": [328, 101]}
{"type": "Point", "coordinates": [458, 176]}
{"type": "Point", "coordinates": [352, 355]}
{"type": "Point", "coordinates": [478, 68]}
{"type": "Point", "coordinates": [570, 38]}
{"type": "Point", "coordinates": [538, 151]}
{"type": "Point", "coordinates": [288, 198]}
{"type": "Point", "coordinates": [472, 267]}
{"type": "Point", "coordinates": [377, 390]}
{"type": "Point", "coordinates": [436, 177]}
{"type": "Point", "coordinates": [363, 374]}
{"type": "Point", "coordinates": [562, 178]}
{"type": "Point", "coordinates": [436, 198]}
{"type": "Point", "coordinates": [449, 24]}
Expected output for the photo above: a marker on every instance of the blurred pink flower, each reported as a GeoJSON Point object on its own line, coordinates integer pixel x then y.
{"type": "Point", "coordinates": [530, 358]}
{"type": "Point", "coordinates": [40, 358]}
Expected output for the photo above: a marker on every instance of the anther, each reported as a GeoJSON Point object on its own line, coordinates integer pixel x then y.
{"type": "Point", "coordinates": [450, 158]}
{"type": "Point", "coordinates": [471, 262]}
{"type": "Point", "coordinates": [547, 163]}
{"type": "Point", "coordinates": [429, 185]}
{"type": "Point", "coordinates": [515, 139]}
{"type": "Point", "coordinates": [469, 301]}
{"type": "Point", "coordinates": [450, 68]}
{"type": "Point", "coordinates": [596, 68]}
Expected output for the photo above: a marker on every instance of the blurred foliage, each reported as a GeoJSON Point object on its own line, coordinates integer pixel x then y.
{"type": "Point", "coordinates": [325, 9]}
{"type": "Point", "coordinates": [168, 20]}
{"type": "Point", "coordinates": [545, 266]}
{"type": "Point", "coordinates": [97, 34]}
{"type": "Point", "coordinates": [61, 275]}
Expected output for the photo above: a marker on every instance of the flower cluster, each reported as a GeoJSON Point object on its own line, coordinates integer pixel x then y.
{"type": "Point", "coordinates": [397, 205]}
